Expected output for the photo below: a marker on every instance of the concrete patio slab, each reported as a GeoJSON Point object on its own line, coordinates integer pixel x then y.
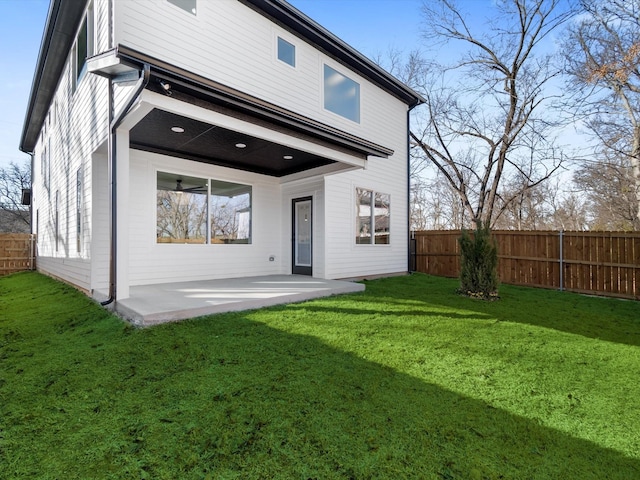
{"type": "Point", "coordinates": [153, 304]}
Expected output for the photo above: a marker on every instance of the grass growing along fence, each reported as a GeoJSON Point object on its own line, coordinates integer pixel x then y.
{"type": "Point", "coordinates": [406, 380]}
{"type": "Point", "coordinates": [599, 263]}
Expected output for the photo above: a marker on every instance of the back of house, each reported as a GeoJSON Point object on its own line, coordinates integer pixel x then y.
{"type": "Point", "coordinates": [183, 140]}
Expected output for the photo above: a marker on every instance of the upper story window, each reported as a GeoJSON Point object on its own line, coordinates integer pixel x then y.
{"type": "Point", "coordinates": [341, 94]}
{"type": "Point", "coordinates": [82, 48]}
{"type": "Point", "coordinates": [188, 6]}
{"type": "Point", "coordinates": [286, 52]}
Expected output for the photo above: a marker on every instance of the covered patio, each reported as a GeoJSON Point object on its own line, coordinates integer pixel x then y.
{"type": "Point", "coordinates": [153, 304]}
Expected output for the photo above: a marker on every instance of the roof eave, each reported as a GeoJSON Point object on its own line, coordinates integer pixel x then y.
{"type": "Point", "coordinates": [292, 18]}
{"type": "Point", "coordinates": [123, 55]}
{"type": "Point", "coordinates": [63, 19]}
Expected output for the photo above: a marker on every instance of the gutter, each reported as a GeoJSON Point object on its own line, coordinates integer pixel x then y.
{"type": "Point", "coordinates": [114, 123]}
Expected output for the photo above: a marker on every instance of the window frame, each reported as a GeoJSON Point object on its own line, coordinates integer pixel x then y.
{"type": "Point", "coordinates": [214, 235]}
{"type": "Point", "coordinates": [326, 94]}
{"type": "Point", "coordinates": [177, 4]}
{"type": "Point", "coordinates": [79, 66]}
{"type": "Point", "coordinates": [279, 39]}
{"type": "Point", "coordinates": [79, 208]}
{"type": "Point", "coordinates": [374, 219]}
{"type": "Point", "coordinates": [56, 221]}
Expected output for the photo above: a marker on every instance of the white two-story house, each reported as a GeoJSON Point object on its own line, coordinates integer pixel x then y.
{"type": "Point", "coordinates": [183, 140]}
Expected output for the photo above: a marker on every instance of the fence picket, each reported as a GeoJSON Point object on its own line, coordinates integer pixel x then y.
{"type": "Point", "coordinates": [16, 253]}
{"type": "Point", "coordinates": [599, 263]}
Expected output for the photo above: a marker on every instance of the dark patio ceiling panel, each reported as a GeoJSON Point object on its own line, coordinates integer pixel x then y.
{"type": "Point", "coordinates": [212, 144]}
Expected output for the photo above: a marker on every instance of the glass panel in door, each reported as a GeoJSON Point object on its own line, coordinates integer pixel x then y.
{"type": "Point", "coordinates": [302, 237]}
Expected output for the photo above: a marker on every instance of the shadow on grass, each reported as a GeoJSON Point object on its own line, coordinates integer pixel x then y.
{"type": "Point", "coordinates": [601, 318]}
{"type": "Point", "coordinates": [226, 397]}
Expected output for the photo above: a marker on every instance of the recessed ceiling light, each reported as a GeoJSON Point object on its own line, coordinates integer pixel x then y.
{"type": "Point", "coordinates": [177, 129]}
{"type": "Point", "coordinates": [288, 157]}
{"type": "Point", "coordinates": [241, 145]}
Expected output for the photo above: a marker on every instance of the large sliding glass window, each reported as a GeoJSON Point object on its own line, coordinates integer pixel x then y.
{"type": "Point", "coordinates": [181, 209]}
{"type": "Point", "coordinates": [372, 224]}
{"type": "Point", "coordinates": [230, 212]}
{"type": "Point", "coordinates": [200, 210]}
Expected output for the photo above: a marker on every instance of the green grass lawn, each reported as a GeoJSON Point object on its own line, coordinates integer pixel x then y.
{"type": "Point", "coordinates": [406, 380]}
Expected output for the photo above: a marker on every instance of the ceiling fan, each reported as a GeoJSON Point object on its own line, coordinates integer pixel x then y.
{"type": "Point", "coordinates": [196, 189]}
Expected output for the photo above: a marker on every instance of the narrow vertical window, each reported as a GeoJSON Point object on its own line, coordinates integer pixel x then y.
{"type": "Point", "coordinates": [47, 171]}
{"type": "Point", "coordinates": [43, 163]}
{"type": "Point", "coordinates": [83, 48]}
{"type": "Point", "coordinates": [363, 216]}
{"type": "Point", "coordinates": [341, 94]}
{"type": "Point", "coordinates": [56, 220]}
{"type": "Point", "coordinates": [79, 202]}
{"type": "Point", "coordinates": [372, 217]}
{"type": "Point", "coordinates": [381, 219]}
{"type": "Point", "coordinates": [286, 52]}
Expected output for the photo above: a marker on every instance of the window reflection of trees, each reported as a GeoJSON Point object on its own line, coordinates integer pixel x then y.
{"type": "Point", "coordinates": [197, 210]}
{"type": "Point", "coordinates": [182, 217]}
{"type": "Point", "coordinates": [231, 217]}
{"type": "Point", "coordinates": [370, 220]}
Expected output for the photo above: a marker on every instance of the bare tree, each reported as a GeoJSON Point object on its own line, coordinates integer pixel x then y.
{"type": "Point", "coordinates": [526, 208]}
{"type": "Point", "coordinates": [182, 216]}
{"type": "Point", "coordinates": [610, 190]}
{"type": "Point", "coordinates": [13, 180]}
{"type": "Point", "coordinates": [602, 57]}
{"type": "Point", "coordinates": [435, 205]}
{"type": "Point", "coordinates": [495, 120]}
{"type": "Point", "coordinates": [567, 209]}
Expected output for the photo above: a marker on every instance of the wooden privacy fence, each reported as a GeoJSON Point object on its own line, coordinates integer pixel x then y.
{"type": "Point", "coordinates": [17, 252]}
{"type": "Point", "coordinates": [599, 263]}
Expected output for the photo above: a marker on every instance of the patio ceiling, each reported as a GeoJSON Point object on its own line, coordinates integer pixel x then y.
{"type": "Point", "coordinates": [239, 131]}
{"type": "Point", "coordinates": [178, 136]}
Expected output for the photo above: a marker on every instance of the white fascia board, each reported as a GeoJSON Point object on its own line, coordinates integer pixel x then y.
{"type": "Point", "coordinates": [137, 112]}
{"type": "Point", "coordinates": [163, 102]}
{"type": "Point", "coordinates": [318, 171]}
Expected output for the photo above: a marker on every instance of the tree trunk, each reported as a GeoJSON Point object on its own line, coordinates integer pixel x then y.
{"type": "Point", "coordinates": [635, 167]}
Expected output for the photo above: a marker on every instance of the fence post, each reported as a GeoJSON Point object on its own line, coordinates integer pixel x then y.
{"type": "Point", "coordinates": [32, 252]}
{"type": "Point", "coordinates": [413, 253]}
{"type": "Point", "coordinates": [561, 235]}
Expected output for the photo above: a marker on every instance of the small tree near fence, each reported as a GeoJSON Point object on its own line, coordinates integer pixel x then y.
{"type": "Point", "coordinates": [479, 263]}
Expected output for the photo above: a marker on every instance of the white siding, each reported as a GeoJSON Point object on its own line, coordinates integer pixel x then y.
{"type": "Point", "coordinates": [230, 43]}
{"type": "Point", "coordinates": [75, 127]}
{"type": "Point", "coordinates": [151, 262]}
{"type": "Point", "coordinates": [99, 232]}
{"type": "Point", "coordinates": [305, 188]}
{"type": "Point", "coordinates": [71, 270]}
{"type": "Point", "coordinates": [344, 258]}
